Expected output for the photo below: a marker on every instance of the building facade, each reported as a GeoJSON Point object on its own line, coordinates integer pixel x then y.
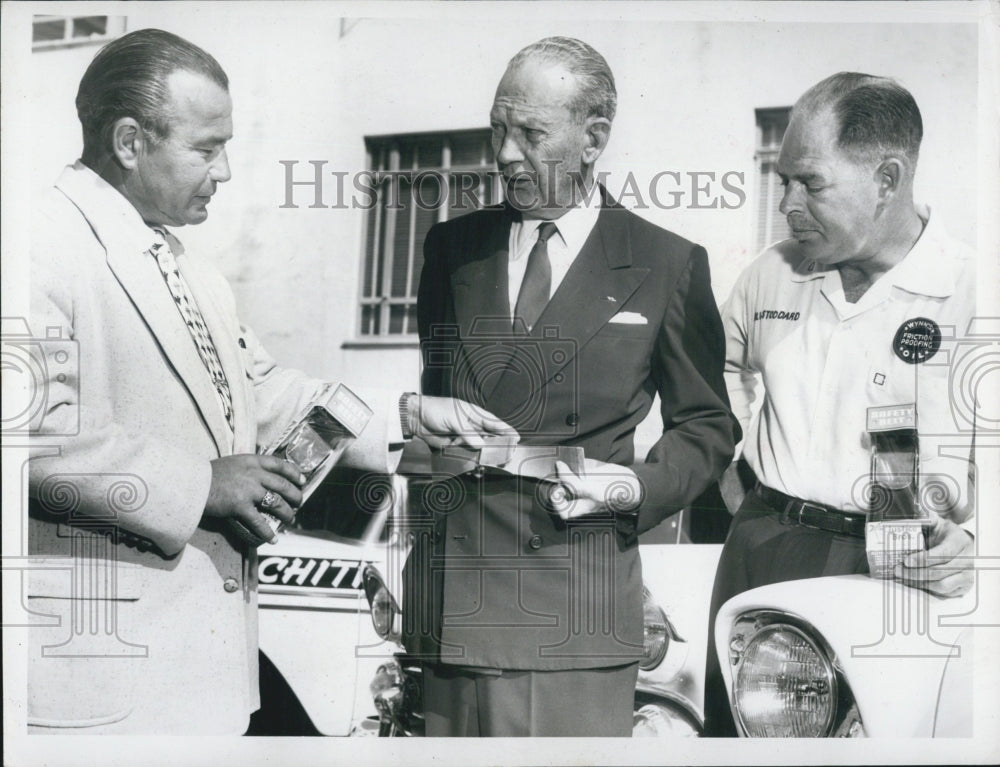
{"type": "Point", "coordinates": [354, 135]}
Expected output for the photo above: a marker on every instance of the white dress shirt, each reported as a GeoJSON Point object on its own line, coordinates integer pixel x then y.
{"type": "Point", "coordinates": [574, 227]}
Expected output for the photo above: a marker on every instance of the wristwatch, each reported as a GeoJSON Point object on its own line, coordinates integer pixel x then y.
{"type": "Point", "coordinates": [404, 414]}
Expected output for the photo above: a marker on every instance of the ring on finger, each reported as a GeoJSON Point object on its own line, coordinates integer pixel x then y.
{"type": "Point", "coordinates": [269, 501]}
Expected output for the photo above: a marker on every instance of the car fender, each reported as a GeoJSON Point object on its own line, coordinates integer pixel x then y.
{"type": "Point", "coordinates": [888, 639]}
{"type": "Point", "coordinates": [314, 624]}
{"type": "Point", "coordinates": [679, 578]}
{"type": "Point", "coordinates": [953, 714]}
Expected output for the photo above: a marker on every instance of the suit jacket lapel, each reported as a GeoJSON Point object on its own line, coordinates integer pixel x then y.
{"type": "Point", "coordinates": [482, 308]}
{"type": "Point", "coordinates": [594, 289]}
{"type": "Point", "coordinates": [140, 277]}
{"type": "Point", "coordinates": [126, 240]}
{"type": "Point", "coordinates": [600, 280]}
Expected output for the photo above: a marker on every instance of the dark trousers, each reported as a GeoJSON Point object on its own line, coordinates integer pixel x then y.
{"type": "Point", "coordinates": [760, 550]}
{"type": "Point", "coordinates": [459, 702]}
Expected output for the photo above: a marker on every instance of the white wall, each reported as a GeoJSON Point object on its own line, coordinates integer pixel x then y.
{"type": "Point", "coordinates": [687, 94]}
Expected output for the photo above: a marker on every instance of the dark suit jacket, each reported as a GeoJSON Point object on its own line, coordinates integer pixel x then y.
{"type": "Point", "coordinates": [495, 579]}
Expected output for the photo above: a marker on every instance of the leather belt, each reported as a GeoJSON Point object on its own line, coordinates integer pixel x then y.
{"type": "Point", "coordinates": [795, 511]}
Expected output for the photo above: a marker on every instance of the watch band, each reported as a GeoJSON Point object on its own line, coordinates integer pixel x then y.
{"type": "Point", "coordinates": [404, 414]}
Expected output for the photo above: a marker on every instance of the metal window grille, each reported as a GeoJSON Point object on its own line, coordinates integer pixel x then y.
{"type": "Point", "coordinates": [419, 180]}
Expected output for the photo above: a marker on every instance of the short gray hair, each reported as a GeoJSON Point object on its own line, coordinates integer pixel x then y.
{"type": "Point", "coordinates": [596, 96]}
{"type": "Point", "coordinates": [876, 116]}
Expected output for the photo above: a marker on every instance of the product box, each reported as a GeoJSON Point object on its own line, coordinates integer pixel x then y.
{"type": "Point", "coordinates": [896, 521]}
{"type": "Point", "coordinates": [318, 436]}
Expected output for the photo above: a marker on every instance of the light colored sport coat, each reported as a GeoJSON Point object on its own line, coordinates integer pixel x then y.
{"type": "Point", "coordinates": [145, 613]}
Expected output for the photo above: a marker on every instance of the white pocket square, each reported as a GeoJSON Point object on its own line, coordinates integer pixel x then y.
{"type": "Point", "coordinates": [629, 318]}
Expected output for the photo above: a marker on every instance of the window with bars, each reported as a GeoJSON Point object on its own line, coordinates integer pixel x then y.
{"type": "Point", "coordinates": [771, 225]}
{"type": "Point", "coordinates": [64, 31]}
{"type": "Point", "coordinates": [419, 180]}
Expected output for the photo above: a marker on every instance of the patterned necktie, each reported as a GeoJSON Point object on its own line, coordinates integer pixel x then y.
{"type": "Point", "coordinates": [534, 292]}
{"type": "Point", "coordinates": [195, 322]}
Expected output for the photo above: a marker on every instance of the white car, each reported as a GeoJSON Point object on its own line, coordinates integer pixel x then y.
{"type": "Point", "coordinates": [847, 656]}
{"type": "Point", "coordinates": [321, 654]}
{"type": "Point", "coordinates": [670, 688]}
{"type": "Point", "coordinates": [318, 650]}
{"type": "Point", "coordinates": [670, 692]}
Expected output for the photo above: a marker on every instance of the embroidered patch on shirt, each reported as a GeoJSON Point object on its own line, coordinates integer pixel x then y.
{"type": "Point", "coordinates": [774, 314]}
{"type": "Point", "coordinates": [917, 340]}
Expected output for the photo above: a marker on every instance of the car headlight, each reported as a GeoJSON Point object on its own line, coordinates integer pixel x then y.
{"type": "Point", "coordinates": [784, 685]}
{"type": "Point", "coordinates": [381, 605]}
{"type": "Point", "coordinates": [656, 631]}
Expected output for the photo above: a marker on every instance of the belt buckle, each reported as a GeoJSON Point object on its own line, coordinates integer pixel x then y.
{"type": "Point", "coordinates": [812, 507]}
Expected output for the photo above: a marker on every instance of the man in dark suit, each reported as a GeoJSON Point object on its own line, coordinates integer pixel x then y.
{"type": "Point", "coordinates": [564, 314]}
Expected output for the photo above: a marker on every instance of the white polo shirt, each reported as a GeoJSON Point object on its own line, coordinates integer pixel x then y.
{"type": "Point", "coordinates": [823, 362]}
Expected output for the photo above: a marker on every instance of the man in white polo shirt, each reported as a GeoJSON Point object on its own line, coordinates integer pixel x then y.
{"type": "Point", "coordinates": [856, 310]}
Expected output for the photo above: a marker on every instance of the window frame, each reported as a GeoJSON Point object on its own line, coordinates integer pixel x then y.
{"type": "Point", "coordinates": [114, 27]}
{"type": "Point", "coordinates": [766, 152]}
{"type": "Point", "coordinates": [383, 153]}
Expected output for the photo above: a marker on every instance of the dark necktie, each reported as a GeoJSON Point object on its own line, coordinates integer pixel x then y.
{"type": "Point", "coordinates": [534, 292]}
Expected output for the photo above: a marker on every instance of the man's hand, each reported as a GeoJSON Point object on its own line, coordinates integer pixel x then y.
{"type": "Point", "coordinates": [444, 422]}
{"type": "Point", "coordinates": [945, 568]}
{"type": "Point", "coordinates": [240, 485]}
{"type": "Point", "coordinates": [604, 488]}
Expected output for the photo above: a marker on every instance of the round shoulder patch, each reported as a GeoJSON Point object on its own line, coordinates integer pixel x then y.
{"type": "Point", "coordinates": [917, 340]}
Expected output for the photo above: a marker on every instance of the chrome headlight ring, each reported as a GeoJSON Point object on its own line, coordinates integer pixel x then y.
{"type": "Point", "coordinates": [654, 632]}
{"type": "Point", "coordinates": [657, 632]}
{"type": "Point", "coordinates": [786, 680]}
{"type": "Point", "coordinates": [382, 607]}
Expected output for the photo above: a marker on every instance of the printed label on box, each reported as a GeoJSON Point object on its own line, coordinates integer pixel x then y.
{"type": "Point", "coordinates": [886, 543]}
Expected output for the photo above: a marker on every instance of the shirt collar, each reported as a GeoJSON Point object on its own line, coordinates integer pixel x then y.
{"type": "Point", "coordinates": [574, 226]}
{"type": "Point", "coordinates": [113, 218]}
{"type": "Point", "coordinates": [805, 269]}
{"type": "Point", "coordinates": [927, 270]}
